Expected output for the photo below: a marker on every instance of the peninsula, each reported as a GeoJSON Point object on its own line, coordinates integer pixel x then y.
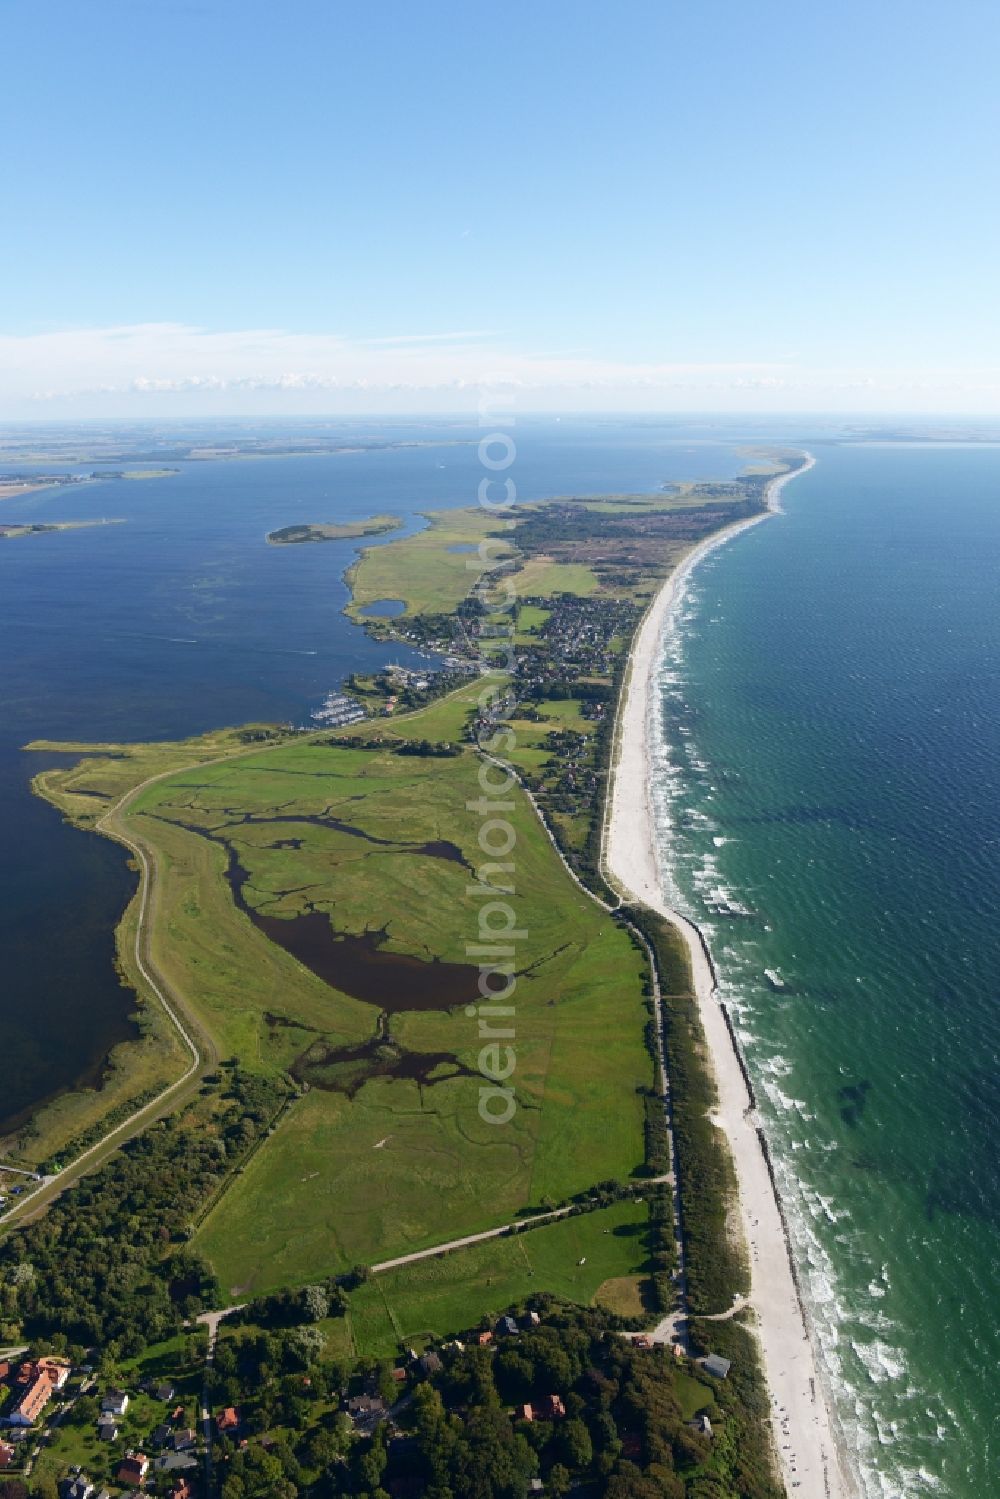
{"type": "Point", "coordinates": [304, 912]}
{"type": "Point", "coordinates": [8, 531]}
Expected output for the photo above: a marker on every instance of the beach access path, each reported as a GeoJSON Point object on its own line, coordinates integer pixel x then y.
{"type": "Point", "coordinates": [800, 1416]}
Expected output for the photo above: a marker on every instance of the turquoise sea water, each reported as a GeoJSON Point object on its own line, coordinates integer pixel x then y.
{"type": "Point", "coordinates": [830, 762]}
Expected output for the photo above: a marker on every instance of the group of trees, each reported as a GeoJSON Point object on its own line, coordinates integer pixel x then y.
{"type": "Point", "coordinates": [42, 1486]}
{"type": "Point", "coordinates": [428, 749]}
{"type": "Point", "coordinates": [288, 1391]}
{"type": "Point", "coordinates": [623, 1434]}
{"type": "Point", "coordinates": [306, 1304]}
{"type": "Point", "coordinates": [662, 1247]}
{"type": "Point", "coordinates": [108, 1264]}
{"type": "Point", "coordinates": [274, 1376]}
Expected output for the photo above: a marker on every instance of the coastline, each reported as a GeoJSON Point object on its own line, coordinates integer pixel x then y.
{"type": "Point", "coordinates": [800, 1418]}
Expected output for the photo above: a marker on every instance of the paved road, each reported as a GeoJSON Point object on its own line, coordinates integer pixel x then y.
{"type": "Point", "coordinates": [203, 1056]}
{"type": "Point", "coordinates": [210, 1320]}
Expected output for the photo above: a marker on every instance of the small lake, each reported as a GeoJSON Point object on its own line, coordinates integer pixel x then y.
{"type": "Point", "coordinates": [383, 609]}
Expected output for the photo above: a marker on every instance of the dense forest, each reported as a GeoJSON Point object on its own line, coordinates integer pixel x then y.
{"type": "Point", "coordinates": [108, 1264]}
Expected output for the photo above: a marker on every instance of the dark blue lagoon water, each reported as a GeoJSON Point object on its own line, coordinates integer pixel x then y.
{"type": "Point", "coordinates": [830, 763]}
{"type": "Point", "coordinates": [182, 619]}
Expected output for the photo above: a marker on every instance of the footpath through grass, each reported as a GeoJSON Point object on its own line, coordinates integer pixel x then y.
{"type": "Point", "coordinates": [434, 1299]}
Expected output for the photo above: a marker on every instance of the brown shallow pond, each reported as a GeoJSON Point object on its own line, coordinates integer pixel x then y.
{"type": "Point", "coordinates": [346, 1069]}
{"type": "Point", "coordinates": [357, 965]}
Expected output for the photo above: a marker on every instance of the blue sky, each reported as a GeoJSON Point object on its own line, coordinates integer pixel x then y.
{"type": "Point", "coordinates": [224, 205]}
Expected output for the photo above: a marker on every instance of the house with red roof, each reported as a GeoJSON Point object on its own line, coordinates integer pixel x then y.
{"type": "Point", "coordinates": [133, 1469]}
{"type": "Point", "coordinates": [56, 1370]}
{"type": "Point", "coordinates": [31, 1404]}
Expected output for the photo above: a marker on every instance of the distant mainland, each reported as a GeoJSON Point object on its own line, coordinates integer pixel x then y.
{"type": "Point", "coordinates": [14, 485]}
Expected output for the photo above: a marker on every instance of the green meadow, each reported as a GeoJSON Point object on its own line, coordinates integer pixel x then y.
{"type": "Point", "coordinates": [431, 570]}
{"type": "Point", "coordinates": [385, 1150]}
{"type": "Point", "coordinates": [541, 577]}
{"type": "Point", "coordinates": [439, 1298]}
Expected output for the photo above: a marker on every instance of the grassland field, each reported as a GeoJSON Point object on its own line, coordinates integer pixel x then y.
{"type": "Point", "coordinates": [355, 1173]}
{"type": "Point", "coordinates": [433, 569]}
{"type": "Point", "coordinates": [586, 1259]}
{"type": "Point", "coordinates": [540, 576]}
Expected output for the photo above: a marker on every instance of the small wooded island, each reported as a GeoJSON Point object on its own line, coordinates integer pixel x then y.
{"type": "Point", "coordinates": [329, 531]}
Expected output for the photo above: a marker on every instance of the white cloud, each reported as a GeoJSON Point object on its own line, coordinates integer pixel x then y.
{"type": "Point", "coordinates": [176, 368]}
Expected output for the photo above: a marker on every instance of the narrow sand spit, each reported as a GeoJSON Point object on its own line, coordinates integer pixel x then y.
{"type": "Point", "coordinates": [800, 1418]}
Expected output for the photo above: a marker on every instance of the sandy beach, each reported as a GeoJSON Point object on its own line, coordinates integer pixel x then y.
{"type": "Point", "coordinates": [803, 1433]}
